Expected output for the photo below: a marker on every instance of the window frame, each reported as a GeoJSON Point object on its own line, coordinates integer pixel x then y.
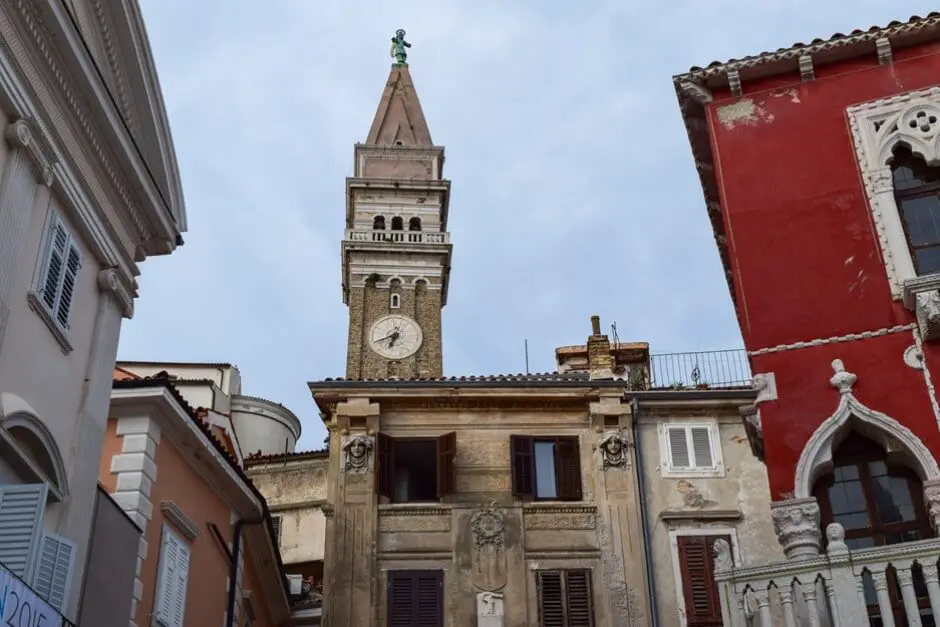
{"type": "Point", "coordinates": [414, 575]}
{"type": "Point", "coordinates": [716, 470]}
{"type": "Point", "coordinates": [445, 461]}
{"type": "Point", "coordinates": [569, 484]}
{"type": "Point", "coordinates": [912, 193]}
{"type": "Point", "coordinates": [678, 568]}
{"type": "Point", "coordinates": [565, 600]}
{"type": "Point", "coordinates": [52, 314]}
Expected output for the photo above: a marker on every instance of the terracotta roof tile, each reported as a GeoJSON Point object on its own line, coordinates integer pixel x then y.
{"type": "Point", "coordinates": [261, 458]}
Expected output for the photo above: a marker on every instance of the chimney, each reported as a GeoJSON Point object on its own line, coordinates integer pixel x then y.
{"type": "Point", "coordinates": [600, 363]}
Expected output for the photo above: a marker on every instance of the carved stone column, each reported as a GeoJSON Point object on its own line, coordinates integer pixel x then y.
{"type": "Point", "coordinates": [932, 502]}
{"type": "Point", "coordinates": [796, 522]}
{"type": "Point", "coordinates": [350, 577]}
{"type": "Point", "coordinates": [26, 166]}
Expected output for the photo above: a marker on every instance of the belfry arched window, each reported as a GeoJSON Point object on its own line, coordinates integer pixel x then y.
{"type": "Point", "coordinates": [414, 224]}
{"type": "Point", "coordinates": [917, 192]}
{"type": "Point", "coordinates": [379, 223]}
{"type": "Point", "coordinates": [878, 503]}
{"type": "Point", "coordinates": [397, 223]}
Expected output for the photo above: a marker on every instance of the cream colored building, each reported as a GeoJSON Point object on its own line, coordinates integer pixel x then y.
{"type": "Point", "coordinates": [89, 189]}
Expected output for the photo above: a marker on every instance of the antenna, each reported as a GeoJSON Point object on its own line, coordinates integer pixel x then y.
{"type": "Point", "coordinates": [527, 356]}
{"type": "Point", "coordinates": [613, 329]}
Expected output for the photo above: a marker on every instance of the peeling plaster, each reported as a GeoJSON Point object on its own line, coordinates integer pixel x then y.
{"type": "Point", "coordinates": [744, 111]}
{"type": "Point", "coordinates": [692, 496]}
{"type": "Point", "coordinates": [791, 93]}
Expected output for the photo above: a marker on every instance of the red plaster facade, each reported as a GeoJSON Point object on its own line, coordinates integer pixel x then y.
{"type": "Point", "coordinates": [800, 242]}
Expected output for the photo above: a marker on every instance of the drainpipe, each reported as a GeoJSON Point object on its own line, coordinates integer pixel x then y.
{"type": "Point", "coordinates": [233, 566]}
{"type": "Point", "coordinates": [644, 521]}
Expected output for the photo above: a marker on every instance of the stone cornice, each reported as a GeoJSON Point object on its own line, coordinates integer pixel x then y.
{"type": "Point", "coordinates": [109, 281]}
{"type": "Point", "coordinates": [173, 513]}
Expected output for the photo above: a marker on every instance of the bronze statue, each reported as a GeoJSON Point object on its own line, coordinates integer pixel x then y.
{"type": "Point", "coordinates": [398, 46]}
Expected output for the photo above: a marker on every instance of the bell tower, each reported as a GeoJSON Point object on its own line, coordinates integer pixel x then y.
{"type": "Point", "coordinates": [396, 250]}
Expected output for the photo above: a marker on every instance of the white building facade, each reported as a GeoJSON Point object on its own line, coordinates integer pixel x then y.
{"type": "Point", "coordinates": [89, 188]}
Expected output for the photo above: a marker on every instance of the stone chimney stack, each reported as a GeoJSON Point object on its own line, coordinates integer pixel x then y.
{"type": "Point", "coordinates": [600, 362]}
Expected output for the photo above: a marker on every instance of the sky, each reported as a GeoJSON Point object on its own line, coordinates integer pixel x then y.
{"type": "Point", "coordinates": [573, 188]}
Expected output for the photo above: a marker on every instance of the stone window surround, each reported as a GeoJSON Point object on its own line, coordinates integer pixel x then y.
{"type": "Point", "coordinates": [877, 128]}
{"type": "Point", "coordinates": [714, 440]}
{"type": "Point", "coordinates": [677, 567]}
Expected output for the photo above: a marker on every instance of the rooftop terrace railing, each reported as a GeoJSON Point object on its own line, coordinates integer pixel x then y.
{"type": "Point", "coordinates": [707, 369]}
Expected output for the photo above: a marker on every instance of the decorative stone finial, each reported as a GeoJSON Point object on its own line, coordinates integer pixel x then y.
{"type": "Point", "coordinates": [398, 47]}
{"type": "Point", "coordinates": [842, 380]}
{"type": "Point", "coordinates": [796, 522]}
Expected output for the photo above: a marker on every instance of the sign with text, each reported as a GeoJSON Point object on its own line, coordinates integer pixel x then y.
{"type": "Point", "coordinates": [21, 607]}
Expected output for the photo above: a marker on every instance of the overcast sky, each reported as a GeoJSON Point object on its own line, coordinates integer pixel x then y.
{"type": "Point", "coordinates": [574, 190]}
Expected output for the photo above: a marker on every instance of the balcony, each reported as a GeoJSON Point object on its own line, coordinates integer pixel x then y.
{"type": "Point", "coordinates": [703, 370]}
{"type": "Point", "coordinates": [899, 583]}
{"type": "Point", "coordinates": [394, 237]}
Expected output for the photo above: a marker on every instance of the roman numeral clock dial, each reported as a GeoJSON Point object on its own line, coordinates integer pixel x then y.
{"type": "Point", "coordinates": [395, 336]}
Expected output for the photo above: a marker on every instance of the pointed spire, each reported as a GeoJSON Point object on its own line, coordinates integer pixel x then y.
{"type": "Point", "coordinates": [399, 119]}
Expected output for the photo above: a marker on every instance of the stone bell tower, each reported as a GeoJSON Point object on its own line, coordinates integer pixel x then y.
{"type": "Point", "coordinates": [396, 250]}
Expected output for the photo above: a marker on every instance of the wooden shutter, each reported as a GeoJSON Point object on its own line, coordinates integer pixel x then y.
{"type": "Point", "coordinates": [54, 263]}
{"type": "Point", "coordinates": [523, 463]}
{"type": "Point", "coordinates": [384, 465]}
{"type": "Point", "coordinates": [567, 469]}
{"type": "Point", "coordinates": [702, 447]}
{"type": "Point", "coordinates": [697, 560]}
{"type": "Point", "coordinates": [54, 570]}
{"type": "Point", "coordinates": [446, 455]}
{"type": "Point", "coordinates": [73, 264]}
{"type": "Point", "coordinates": [180, 583]}
{"type": "Point", "coordinates": [564, 598]}
{"type": "Point", "coordinates": [677, 440]}
{"type": "Point", "coordinates": [172, 579]}
{"type": "Point", "coordinates": [415, 598]}
{"type": "Point", "coordinates": [21, 510]}
{"type": "Point", "coordinates": [276, 525]}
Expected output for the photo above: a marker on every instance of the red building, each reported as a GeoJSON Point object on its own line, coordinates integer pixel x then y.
{"type": "Point", "coordinates": [820, 165]}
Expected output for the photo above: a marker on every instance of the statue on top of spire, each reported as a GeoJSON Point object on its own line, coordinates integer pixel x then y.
{"type": "Point", "coordinates": [398, 46]}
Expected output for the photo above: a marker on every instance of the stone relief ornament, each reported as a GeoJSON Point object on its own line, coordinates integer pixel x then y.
{"type": "Point", "coordinates": [488, 526]}
{"type": "Point", "coordinates": [612, 450]}
{"type": "Point", "coordinates": [723, 560]}
{"type": "Point", "coordinates": [357, 453]}
{"type": "Point", "coordinates": [489, 609]}
{"type": "Point", "coordinates": [796, 523]}
{"type": "Point", "coordinates": [932, 500]}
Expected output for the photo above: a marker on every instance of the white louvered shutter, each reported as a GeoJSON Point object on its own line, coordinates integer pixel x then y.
{"type": "Point", "coordinates": [54, 264]}
{"type": "Point", "coordinates": [54, 570]}
{"type": "Point", "coordinates": [678, 447]}
{"type": "Point", "coordinates": [702, 447]}
{"type": "Point", "coordinates": [73, 264]}
{"type": "Point", "coordinates": [166, 579]}
{"type": "Point", "coordinates": [21, 509]}
{"type": "Point", "coordinates": [182, 579]}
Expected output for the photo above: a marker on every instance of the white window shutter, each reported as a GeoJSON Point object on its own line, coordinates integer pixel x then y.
{"type": "Point", "coordinates": [678, 447]}
{"type": "Point", "coordinates": [73, 264]}
{"type": "Point", "coordinates": [702, 447]}
{"type": "Point", "coordinates": [166, 577]}
{"type": "Point", "coordinates": [54, 570]}
{"type": "Point", "coordinates": [21, 510]}
{"type": "Point", "coordinates": [54, 263]}
{"type": "Point", "coordinates": [181, 582]}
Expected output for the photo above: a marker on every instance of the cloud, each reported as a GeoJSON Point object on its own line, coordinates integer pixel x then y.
{"type": "Point", "coordinates": [573, 188]}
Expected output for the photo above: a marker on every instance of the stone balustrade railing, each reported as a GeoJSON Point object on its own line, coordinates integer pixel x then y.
{"type": "Point", "coordinates": [407, 237]}
{"type": "Point", "coordinates": [835, 588]}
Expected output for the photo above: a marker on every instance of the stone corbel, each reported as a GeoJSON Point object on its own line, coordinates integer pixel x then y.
{"type": "Point", "coordinates": [110, 282]}
{"type": "Point", "coordinates": [22, 135]}
{"type": "Point", "coordinates": [932, 502]}
{"type": "Point", "coordinates": [753, 428]}
{"type": "Point", "coordinates": [922, 297]}
{"type": "Point", "coordinates": [796, 522]}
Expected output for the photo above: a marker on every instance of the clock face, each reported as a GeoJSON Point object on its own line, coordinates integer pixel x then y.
{"type": "Point", "coordinates": [395, 336]}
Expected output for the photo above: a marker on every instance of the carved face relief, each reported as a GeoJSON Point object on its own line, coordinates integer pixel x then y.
{"type": "Point", "coordinates": [357, 451]}
{"type": "Point", "coordinates": [488, 526]}
{"type": "Point", "coordinates": [612, 449]}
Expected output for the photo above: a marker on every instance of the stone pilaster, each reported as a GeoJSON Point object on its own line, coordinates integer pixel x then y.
{"type": "Point", "coordinates": [932, 502]}
{"type": "Point", "coordinates": [796, 522]}
{"type": "Point", "coordinates": [26, 166]}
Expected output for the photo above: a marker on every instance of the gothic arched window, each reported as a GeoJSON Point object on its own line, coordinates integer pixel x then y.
{"type": "Point", "coordinates": [414, 224]}
{"type": "Point", "coordinates": [379, 223]}
{"type": "Point", "coordinates": [917, 192]}
{"type": "Point", "coordinates": [397, 223]}
{"type": "Point", "coordinates": [877, 503]}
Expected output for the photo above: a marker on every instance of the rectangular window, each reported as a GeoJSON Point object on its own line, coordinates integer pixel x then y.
{"type": "Point", "coordinates": [53, 573]}
{"type": "Point", "coordinates": [276, 524]}
{"type": "Point", "coordinates": [172, 580]}
{"type": "Point", "coordinates": [415, 598]}
{"type": "Point", "coordinates": [410, 470]}
{"type": "Point", "coordinates": [21, 510]}
{"type": "Point", "coordinates": [691, 448]}
{"type": "Point", "coordinates": [699, 590]}
{"type": "Point", "coordinates": [546, 468]}
{"type": "Point", "coordinates": [564, 598]}
{"type": "Point", "coordinates": [57, 278]}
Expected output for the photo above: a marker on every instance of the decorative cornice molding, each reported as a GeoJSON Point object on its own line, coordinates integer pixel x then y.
{"type": "Point", "coordinates": [114, 62]}
{"type": "Point", "coordinates": [21, 134]}
{"type": "Point", "coordinates": [864, 335]}
{"type": "Point", "coordinates": [414, 511]}
{"type": "Point", "coordinates": [558, 509]}
{"type": "Point", "coordinates": [173, 513]}
{"type": "Point", "coordinates": [109, 281]}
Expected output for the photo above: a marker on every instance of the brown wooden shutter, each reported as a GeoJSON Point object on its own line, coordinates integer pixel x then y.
{"type": "Point", "coordinates": [384, 465]}
{"type": "Point", "coordinates": [446, 454]}
{"type": "Point", "coordinates": [567, 468]}
{"type": "Point", "coordinates": [697, 560]}
{"type": "Point", "coordinates": [415, 598]}
{"type": "Point", "coordinates": [523, 463]}
{"type": "Point", "coordinates": [580, 609]}
{"type": "Point", "coordinates": [551, 598]}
